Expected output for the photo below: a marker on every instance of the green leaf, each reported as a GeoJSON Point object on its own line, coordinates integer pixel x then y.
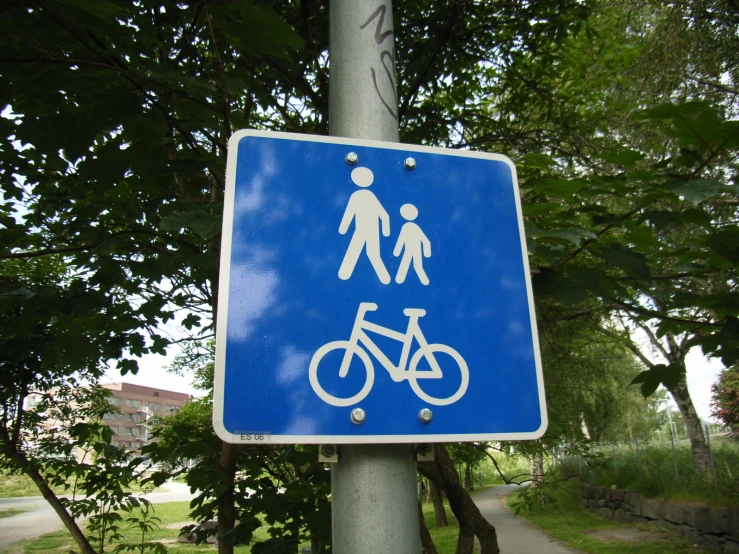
{"type": "Point", "coordinates": [102, 9]}
{"type": "Point", "coordinates": [625, 158]}
{"type": "Point", "coordinates": [670, 110]}
{"type": "Point", "coordinates": [572, 234]}
{"type": "Point", "coordinates": [535, 160]}
{"type": "Point", "coordinates": [725, 243]}
{"type": "Point", "coordinates": [540, 208]}
{"type": "Point", "coordinates": [633, 263]}
{"type": "Point", "coordinates": [127, 366]}
{"type": "Point", "coordinates": [259, 30]}
{"type": "Point", "coordinates": [696, 190]}
{"type": "Point", "coordinates": [191, 321]}
{"type": "Point", "coordinates": [661, 218]}
{"type": "Point", "coordinates": [561, 188]}
{"type": "Point", "coordinates": [655, 376]}
{"type": "Point", "coordinates": [551, 283]}
{"type": "Point", "coordinates": [196, 219]}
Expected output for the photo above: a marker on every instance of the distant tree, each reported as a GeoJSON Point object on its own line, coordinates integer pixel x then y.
{"type": "Point", "coordinates": [55, 336]}
{"type": "Point", "coordinates": [725, 401]}
{"type": "Point", "coordinates": [284, 485]}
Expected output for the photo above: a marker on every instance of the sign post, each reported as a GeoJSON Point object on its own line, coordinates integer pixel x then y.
{"type": "Point", "coordinates": [373, 487]}
{"type": "Point", "coordinates": [373, 295]}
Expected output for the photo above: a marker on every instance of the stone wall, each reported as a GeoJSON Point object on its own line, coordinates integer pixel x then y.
{"type": "Point", "coordinates": [716, 529]}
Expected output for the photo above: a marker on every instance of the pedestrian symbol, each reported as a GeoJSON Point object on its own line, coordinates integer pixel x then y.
{"type": "Point", "coordinates": [369, 217]}
{"type": "Point", "coordinates": [413, 243]}
{"type": "Point", "coordinates": [367, 213]}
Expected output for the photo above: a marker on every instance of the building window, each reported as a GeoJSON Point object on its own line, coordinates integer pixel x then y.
{"type": "Point", "coordinates": [155, 407]}
{"type": "Point", "coordinates": [114, 428]}
{"type": "Point", "coordinates": [133, 403]}
{"type": "Point", "coordinates": [114, 401]}
{"type": "Point", "coordinates": [110, 416]}
{"type": "Point", "coordinates": [171, 409]}
{"type": "Point", "coordinates": [132, 417]}
{"type": "Point", "coordinates": [132, 431]}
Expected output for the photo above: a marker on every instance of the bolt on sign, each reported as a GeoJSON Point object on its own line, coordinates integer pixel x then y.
{"type": "Point", "coordinates": [373, 292]}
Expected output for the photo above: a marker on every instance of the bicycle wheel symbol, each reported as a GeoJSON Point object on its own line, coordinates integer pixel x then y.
{"type": "Point", "coordinates": [424, 376]}
{"type": "Point", "coordinates": [355, 349]}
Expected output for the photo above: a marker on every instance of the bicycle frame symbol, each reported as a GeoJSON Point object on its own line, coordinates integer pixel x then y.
{"type": "Point", "coordinates": [360, 343]}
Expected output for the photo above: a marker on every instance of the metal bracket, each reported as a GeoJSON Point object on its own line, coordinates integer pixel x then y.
{"type": "Point", "coordinates": [425, 453]}
{"type": "Point", "coordinates": [328, 453]}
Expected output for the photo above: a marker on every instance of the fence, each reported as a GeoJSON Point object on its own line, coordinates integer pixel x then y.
{"type": "Point", "coordinates": [659, 467]}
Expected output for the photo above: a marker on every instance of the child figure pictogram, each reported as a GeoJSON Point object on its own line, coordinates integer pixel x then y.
{"type": "Point", "coordinates": [414, 244]}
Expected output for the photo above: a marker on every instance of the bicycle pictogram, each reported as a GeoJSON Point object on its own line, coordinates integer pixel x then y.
{"type": "Point", "coordinates": [360, 343]}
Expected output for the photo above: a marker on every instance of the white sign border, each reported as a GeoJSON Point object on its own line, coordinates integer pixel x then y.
{"type": "Point", "coordinates": [224, 282]}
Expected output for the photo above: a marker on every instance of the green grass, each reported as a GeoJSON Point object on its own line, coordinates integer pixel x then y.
{"type": "Point", "coordinates": [567, 522]}
{"type": "Point", "coordinates": [16, 485]}
{"type": "Point", "coordinates": [21, 485]}
{"type": "Point", "coordinates": [657, 479]}
{"type": "Point", "coordinates": [173, 512]}
{"type": "Point", "coordinates": [445, 538]}
{"type": "Point", "coordinates": [10, 512]}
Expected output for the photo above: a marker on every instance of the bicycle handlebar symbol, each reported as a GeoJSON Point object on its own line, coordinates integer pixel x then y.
{"type": "Point", "coordinates": [397, 373]}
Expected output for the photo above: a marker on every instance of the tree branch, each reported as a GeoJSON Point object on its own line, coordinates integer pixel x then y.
{"type": "Point", "coordinates": [653, 339]}
{"type": "Point", "coordinates": [497, 468]}
{"type": "Point", "coordinates": [627, 342]}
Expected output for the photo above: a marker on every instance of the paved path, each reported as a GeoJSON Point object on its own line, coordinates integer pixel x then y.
{"type": "Point", "coordinates": [41, 518]}
{"type": "Point", "coordinates": [515, 536]}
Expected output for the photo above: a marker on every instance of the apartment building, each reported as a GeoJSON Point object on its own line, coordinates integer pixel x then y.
{"type": "Point", "coordinates": [138, 404]}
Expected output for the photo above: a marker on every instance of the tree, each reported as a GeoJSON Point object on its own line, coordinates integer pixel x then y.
{"type": "Point", "coordinates": [54, 336]}
{"type": "Point", "coordinates": [282, 487]}
{"type": "Point", "coordinates": [471, 522]}
{"type": "Point", "coordinates": [113, 150]}
{"type": "Point", "coordinates": [725, 401]}
{"type": "Point", "coordinates": [128, 188]}
{"type": "Point", "coordinates": [646, 197]}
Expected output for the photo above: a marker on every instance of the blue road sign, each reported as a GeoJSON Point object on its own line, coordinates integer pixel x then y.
{"type": "Point", "coordinates": [373, 292]}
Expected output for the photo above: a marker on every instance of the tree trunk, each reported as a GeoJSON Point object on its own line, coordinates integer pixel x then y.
{"type": "Point", "coordinates": [469, 482]}
{"type": "Point", "coordinates": [439, 510]}
{"type": "Point", "coordinates": [427, 543]}
{"type": "Point", "coordinates": [698, 444]}
{"type": "Point", "coordinates": [537, 469]}
{"type": "Point", "coordinates": [226, 509]}
{"type": "Point", "coordinates": [20, 460]}
{"type": "Point", "coordinates": [465, 540]}
{"type": "Point", "coordinates": [443, 473]}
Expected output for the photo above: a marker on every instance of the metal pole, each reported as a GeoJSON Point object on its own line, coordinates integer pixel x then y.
{"type": "Point", "coordinates": [674, 455]}
{"type": "Point", "coordinates": [362, 87]}
{"type": "Point", "coordinates": [373, 487]}
{"type": "Point", "coordinates": [613, 450]}
{"type": "Point", "coordinates": [710, 455]}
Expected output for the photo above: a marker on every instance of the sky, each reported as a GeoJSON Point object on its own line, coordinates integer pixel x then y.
{"type": "Point", "coordinates": [702, 373]}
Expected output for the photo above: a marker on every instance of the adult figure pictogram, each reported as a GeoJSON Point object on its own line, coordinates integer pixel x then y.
{"type": "Point", "coordinates": [368, 215]}
{"type": "Point", "coordinates": [414, 244]}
